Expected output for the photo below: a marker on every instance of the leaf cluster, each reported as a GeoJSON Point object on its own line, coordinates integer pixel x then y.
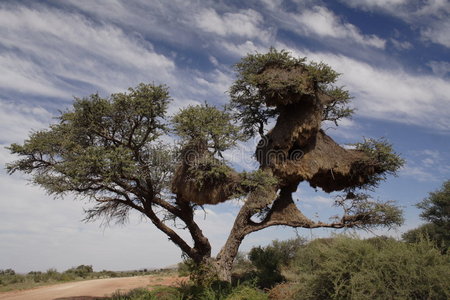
{"type": "Point", "coordinates": [381, 157]}
{"type": "Point", "coordinates": [208, 171]}
{"type": "Point", "coordinates": [103, 149]}
{"type": "Point", "coordinates": [363, 212]}
{"type": "Point", "coordinates": [259, 179]}
{"type": "Point", "coordinates": [378, 268]}
{"type": "Point", "coordinates": [436, 211]}
{"type": "Point", "coordinates": [436, 207]}
{"type": "Point", "coordinates": [262, 77]}
{"type": "Point", "coordinates": [207, 125]}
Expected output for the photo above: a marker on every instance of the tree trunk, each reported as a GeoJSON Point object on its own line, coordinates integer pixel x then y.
{"type": "Point", "coordinates": [227, 254]}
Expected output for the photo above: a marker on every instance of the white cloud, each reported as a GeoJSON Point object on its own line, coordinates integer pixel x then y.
{"type": "Point", "coordinates": [438, 33]}
{"type": "Point", "coordinates": [401, 45]}
{"type": "Point", "coordinates": [391, 95]}
{"type": "Point", "coordinates": [418, 173]}
{"type": "Point", "coordinates": [245, 23]}
{"type": "Point", "coordinates": [240, 50]}
{"type": "Point", "coordinates": [215, 82]}
{"type": "Point", "coordinates": [431, 17]}
{"type": "Point", "coordinates": [322, 23]}
{"type": "Point", "coordinates": [426, 165]}
{"type": "Point", "coordinates": [376, 4]}
{"type": "Point", "coordinates": [272, 4]}
{"type": "Point", "coordinates": [57, 48]}
{"type": "Point", "coordinates": [17, 120]}
{"type": "Point", "coordinates": [23, 76]}
{"type": "Point", "coordinates": [440, 68]}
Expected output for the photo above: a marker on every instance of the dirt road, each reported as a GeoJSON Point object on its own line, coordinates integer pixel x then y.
{"type": "Point", "coordinates": [90, 289]}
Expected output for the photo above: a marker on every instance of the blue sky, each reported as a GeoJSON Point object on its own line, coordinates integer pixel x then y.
{"type": "Point", "coordinates": [394, 56]}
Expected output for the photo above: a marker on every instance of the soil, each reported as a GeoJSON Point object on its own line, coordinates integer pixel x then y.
{"type": "Point", "coordinates": [91, 289]}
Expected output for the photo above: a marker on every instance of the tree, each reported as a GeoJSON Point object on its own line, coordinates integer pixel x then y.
{"type": "Point", "coordinates": [436, 211]}
{"type": "Point", "coordinates": [112, 152]}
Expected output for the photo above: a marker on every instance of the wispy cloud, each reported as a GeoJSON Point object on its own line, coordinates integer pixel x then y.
{"type": "Point", "coordinates": [440, 68]}
{"type": "Point", "coordinates": [431, 17]}
{"type": "Point", "coordinates": [246, 23]}
{"type": "Point", "coordinates": [320, 22]}
{"type": "Point", "coordinates": [392, 95]}
{"type": "Point", "coordinates": [427, 166]}
{"type": "Point", "coordinates": [43, 44]}
{"type": "Point", "coordinates": [17, 120]}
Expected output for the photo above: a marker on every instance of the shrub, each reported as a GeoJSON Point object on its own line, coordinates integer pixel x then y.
{"type": "Point", "coordinates": [183, 269]}
{"type": "Point", "coordinates": [268, 263]}
{"type": "Point", "coordinates": [269, 260]}
{"type": "Point", "coordinates": [82, 271]}
{"type": "Point", "coordinates": [135, 294]}
{"type": "Point", "coordinates": [346, 268]}
{"type": "Point", "coordinates": [247, 293]}
{"type": "Point", "coordinates": [436, 211]}
{"type": "Point", "coordinates": [193, 292]}
{"type": "Point", "coordinates": [7, 272]}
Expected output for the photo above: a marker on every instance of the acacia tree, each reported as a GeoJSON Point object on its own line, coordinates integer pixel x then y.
{"type": "Point", "coordinates": [436, 211]}
{"type": "Point", "coordinates": [112, 152]}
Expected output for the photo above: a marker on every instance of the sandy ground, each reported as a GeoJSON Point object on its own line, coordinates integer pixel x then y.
{"type": "Point", "coordinates": [90, 289]}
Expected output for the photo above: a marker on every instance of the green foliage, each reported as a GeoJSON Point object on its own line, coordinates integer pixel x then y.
{"type": "Point", "coordinates": [252, 89]}
{"type": "Point", "coordinates": [206, 125]}
{"type": "Point", "coordinates": [183, 268]}
{"type": "Point", "coordinates": [137, 294]}
{"type": "Point", "coordinates": [82, 271]}
{"type": "Point", "coordinates": [101, 148]}
{"type": "Point", "coordinates": [270, 260]}
{"type": "Point", "coordinates": [436, 207]}
{"type": "Point", "coordinates": [247, 293]}
{"type": "Point", "coordinates": [382, 158]}
{"type": "Point", "coordinates": [7, 272]}
{"type": "Point", "coordinates": [208, 171]}
{"type": "Point", "coordinates": [246, 98]}
{"type": "Point", "coordinates": [216, 290]}
{"type": "Point", "coordinates": [363, 212]}
{"type": "Point", "coordinates": [258, 179]}
{"type": "Point", "coordinates": [338, 109]}
{"type": "Point", "coordinates": [321, 73]}
{"type": "Point", "coordinates": [192, 292]}
{"type": "Point", "coordinates": [436, 211]}
{"type": "Point", "coordinates": [242, 267]}
{"type": "Point", "coordinates": [426, 231]}
{"type": "Point", "coordinates": [9, 280]}
{"type": "Point", "coordinates": [267, 262]}
{"type": "Point", "coordinates": [253, 64]}
{"type": "Point", "coordinates": [286, 250]}
{"type": "Point", "coordinates": [380, 268]}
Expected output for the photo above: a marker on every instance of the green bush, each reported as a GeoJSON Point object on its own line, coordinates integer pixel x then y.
{"type": "Point", "coordinates": [82, 271]}
{"type": "Point", "coordinates": [436, 211]}
{"type": "Point", "coordinates": [183, 269]}
{"type": "Point", "coordinates": [191, 292]}
{"type": "Point", "coordinates": [268, 264]}
{"type": "Point", "coordinates": [247, 293]}
{"type": "Point", "coordinates": [380, 268]}
{"type": "Point", "coordinates": [270, 260]}
{"type": "Point", "coordinates": [135, 294]}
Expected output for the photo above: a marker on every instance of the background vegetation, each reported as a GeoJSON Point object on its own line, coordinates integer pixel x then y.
{"type": "Point", "coordinates": [10, 280]}
{"type": "Point", "coordinates": [341, 267]}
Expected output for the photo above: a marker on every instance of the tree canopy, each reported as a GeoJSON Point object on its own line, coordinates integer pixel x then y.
{"type": "Point", "coordinates": [114, 152]}
{"type": "Point", "coordinates": [436, 211]}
